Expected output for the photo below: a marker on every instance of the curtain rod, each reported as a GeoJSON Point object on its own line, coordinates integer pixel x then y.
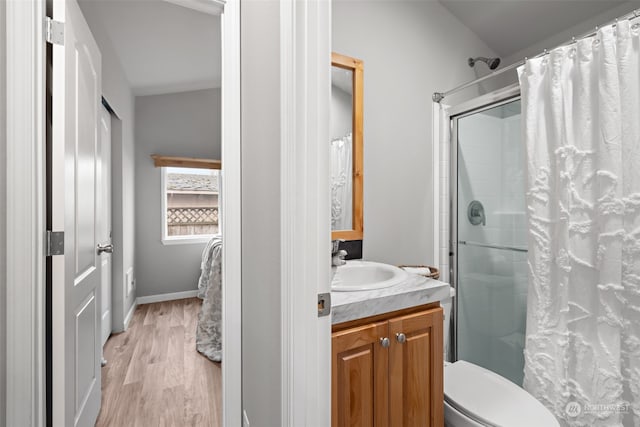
{"type": "Point", "coordinates": [439, 96]}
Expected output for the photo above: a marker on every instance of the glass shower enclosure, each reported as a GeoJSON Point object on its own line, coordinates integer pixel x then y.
{"type": "Point", "coordinates": [488, 238]}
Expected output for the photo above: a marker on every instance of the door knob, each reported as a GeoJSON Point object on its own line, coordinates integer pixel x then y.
{"type": "Point", "coordinates": [401, 338]}
{"type": "Point", "coordinates": [384, 342]}
{"type": "Point", "coordinates": [108, 248]}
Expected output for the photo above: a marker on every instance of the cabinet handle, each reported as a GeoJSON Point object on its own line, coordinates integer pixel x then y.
{"type": "Point", "coordinates": [384, 342]}
{"type": "Point", "coordinates": [401, 338]}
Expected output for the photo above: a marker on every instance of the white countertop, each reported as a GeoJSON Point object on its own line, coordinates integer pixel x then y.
{"type": "Point", "coordinates": [416, 290]}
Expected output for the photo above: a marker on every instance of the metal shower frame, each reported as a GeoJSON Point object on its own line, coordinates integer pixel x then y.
{"type": "Point", "coordinates": [479, 104]}
{"type": "Point", "coordinates": [455, 113]}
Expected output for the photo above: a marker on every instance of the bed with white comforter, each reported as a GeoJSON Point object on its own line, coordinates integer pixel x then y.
{"type": "Point", "coordinates": [209, 330]}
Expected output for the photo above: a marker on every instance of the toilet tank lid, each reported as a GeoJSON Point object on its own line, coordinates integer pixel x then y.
{"type": "Point", "coordinates": [491, 399]}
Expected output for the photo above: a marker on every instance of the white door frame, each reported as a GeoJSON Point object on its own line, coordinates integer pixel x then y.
{"type": "Point", "coordinates": [305, 58]}
{"type": "Point", "coordinates": [26, 211]}
{"type": "Point", "coordinates": [231, 214]}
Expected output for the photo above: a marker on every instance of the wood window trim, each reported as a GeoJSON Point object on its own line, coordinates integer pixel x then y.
{"type": "Point", "coordinates": [185, 162]}
{"type": "Point", "coordinates": [357, 67]}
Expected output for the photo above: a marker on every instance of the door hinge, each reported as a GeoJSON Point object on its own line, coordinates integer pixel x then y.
{"type": "Point", "coordinates": [54, 31]}
{"type": "Point", "coordinates": [324, 304]}
{"type": "Point", "coordinates": [55, 243]}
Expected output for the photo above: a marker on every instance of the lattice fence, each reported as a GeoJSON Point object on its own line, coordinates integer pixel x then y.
{"type": "Point", "coordinates": [186, 221]}
{"type": "Point", "coordinates": [192, 216]}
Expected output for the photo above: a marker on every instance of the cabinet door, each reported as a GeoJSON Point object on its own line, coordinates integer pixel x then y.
{"type": "Point", "coordinates": [359, 382]}
{"type": "Point", "coordinates": [416, 369]}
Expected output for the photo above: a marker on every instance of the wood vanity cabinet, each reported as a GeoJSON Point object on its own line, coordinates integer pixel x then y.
{"type": "Point", "coordinates": [392, 382]}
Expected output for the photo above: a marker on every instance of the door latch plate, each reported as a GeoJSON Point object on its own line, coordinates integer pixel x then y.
{"type": "Point", "coordinates": [324, 304]}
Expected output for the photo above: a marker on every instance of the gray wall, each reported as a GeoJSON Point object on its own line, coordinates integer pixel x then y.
{"type": "Point", "coordinates": [260, 85]}
{"type": "Point", "coordinates": [116, 90]}
{"type": "Point", "coordinates": [183, 124]}
{"type": "Point", "coordinates": [410, 49]}
{"type": "Point", "coordinates": [3, 209]}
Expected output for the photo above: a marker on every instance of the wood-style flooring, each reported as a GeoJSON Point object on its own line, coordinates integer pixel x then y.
{"type": "Point", "coordinates": [154, 375]}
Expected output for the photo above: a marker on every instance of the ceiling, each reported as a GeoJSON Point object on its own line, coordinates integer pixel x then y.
{"type": "Point", "coordinates": [166, 48]}
{"type": "Point", "coordinates": [162, 47]}
{"type": "Point", "coordinates": [508, 26]}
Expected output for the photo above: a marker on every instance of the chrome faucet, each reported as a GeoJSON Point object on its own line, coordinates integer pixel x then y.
{"type": "Point", "coordinates": [337, 254]}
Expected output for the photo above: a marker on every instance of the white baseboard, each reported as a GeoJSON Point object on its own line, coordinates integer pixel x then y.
{"type": "Point", "coordinates": [129, 315]}
{"type": "Point", "coordinates": [166, 297]}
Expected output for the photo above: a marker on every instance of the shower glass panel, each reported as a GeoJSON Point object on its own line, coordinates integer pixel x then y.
{"type": "Point", "coordinates": [491, 259]}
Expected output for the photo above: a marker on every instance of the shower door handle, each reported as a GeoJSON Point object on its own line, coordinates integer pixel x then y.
{"type": "Point", "coordinates": [500, 247]}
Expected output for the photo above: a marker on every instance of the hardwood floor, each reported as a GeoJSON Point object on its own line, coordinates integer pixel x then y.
{"type": "Point", "coordinates": [154, 375]}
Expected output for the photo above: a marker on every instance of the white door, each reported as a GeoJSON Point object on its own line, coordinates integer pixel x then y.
{"type": "Point", "coordinates": [104, 219]}
{"type": "Point", "coordinates": [76, 93]}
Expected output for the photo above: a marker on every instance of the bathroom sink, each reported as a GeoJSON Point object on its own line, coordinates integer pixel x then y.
{"type": "Point", "coordinates": [366, 275]}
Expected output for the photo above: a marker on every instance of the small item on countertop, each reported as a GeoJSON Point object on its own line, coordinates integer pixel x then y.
{"type": "Point", "coordinates": [417, 270]}
{"type": "Point", "coordinates": [422, 270]}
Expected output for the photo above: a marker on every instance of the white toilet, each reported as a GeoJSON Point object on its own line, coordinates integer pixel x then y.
{"type": "Point", "coordinates": [477, 397]}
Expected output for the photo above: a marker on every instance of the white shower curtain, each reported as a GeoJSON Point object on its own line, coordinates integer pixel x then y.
{"type": "Point", "coordinates": [581, 115]}
{"type": "Point", "coordinates": [341, 183]}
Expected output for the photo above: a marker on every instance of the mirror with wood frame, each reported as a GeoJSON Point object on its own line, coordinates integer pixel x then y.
{"type": "Point", "coordinates": [346, 147]}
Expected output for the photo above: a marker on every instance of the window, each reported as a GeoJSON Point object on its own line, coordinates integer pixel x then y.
{"type": "Point", "coordinates": [190, 201]}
